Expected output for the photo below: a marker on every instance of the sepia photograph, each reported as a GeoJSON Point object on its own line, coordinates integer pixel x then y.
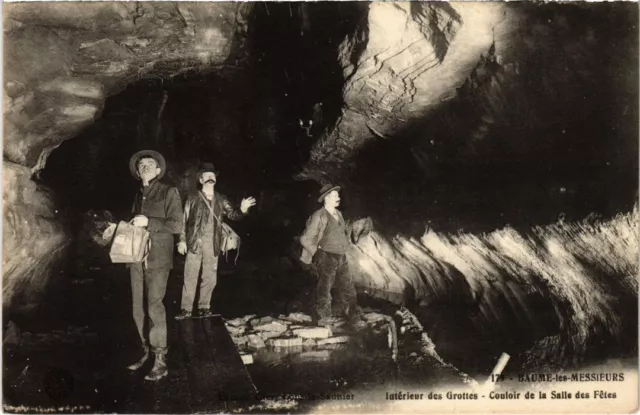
{"type": "Point", "coordinates": [320, 207]}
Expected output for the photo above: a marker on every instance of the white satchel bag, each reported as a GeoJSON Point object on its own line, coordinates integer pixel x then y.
{"type": "Point", "coordinates": [130, 244]}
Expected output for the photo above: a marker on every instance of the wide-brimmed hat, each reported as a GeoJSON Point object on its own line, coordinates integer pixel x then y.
{"type": "Point", "coordinates": [133, 162]}
{"type": "Point", "coordinates": [207, 168]}
{"type": "Point", "coordinates": [326, 189]}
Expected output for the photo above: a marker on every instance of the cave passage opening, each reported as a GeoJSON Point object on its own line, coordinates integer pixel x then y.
{"type": "Point", "coordinates": [255, 118]}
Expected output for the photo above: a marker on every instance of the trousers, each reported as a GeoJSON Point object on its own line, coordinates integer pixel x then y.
{"type": "Point", "coordinates": [208, 261]}
{"type": "Point", "coordinates": [155, 282]}
{"type": "Point", "coordinates": [333, 272]}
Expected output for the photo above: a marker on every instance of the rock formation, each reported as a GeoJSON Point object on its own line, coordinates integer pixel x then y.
{"type": "Point", "coordinates": [61, 62]}
{"type": "Point", "coordinates": [408, 58]}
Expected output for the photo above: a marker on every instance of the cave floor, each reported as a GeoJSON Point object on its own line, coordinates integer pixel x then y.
{"type": "Point", "coordinates": [71, 354]}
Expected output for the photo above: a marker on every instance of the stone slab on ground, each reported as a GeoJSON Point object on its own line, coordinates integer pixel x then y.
{"type": "Point", "coordinates": [296, 326]}
{"type": "Point", "coordinates": [284, 319]}
{"type": "Point", "coordinates": [285, 342]}
{"type": "Point", "coordinates": [334, 340]}
{"type": "Point", "coordinates": [273, 326]}
{"type": "Point", "coordinates": [236, 331]}
{"type": "Point", "coordinates": [313, 332]}
{"type": "Point", "coordinates": [269, 334]}
{"type": "Point", "coordinates": [257, 321]}
{"type": "Point", "coordinates": [299, 318]}
{"type": "Point", "coordinates": [240, 321]}
{"type": "Point", "coordinates": [239, 340]}
{"type": "Point", "coordinates": [254, 341]}
{"type": "Point", "coordinates": [247, 358]}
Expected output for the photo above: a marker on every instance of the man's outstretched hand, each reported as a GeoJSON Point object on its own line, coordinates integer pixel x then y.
{"type": "Point", "coordinates": [247, 203]}
{"type": "Point", "coordinates": [182, 248]}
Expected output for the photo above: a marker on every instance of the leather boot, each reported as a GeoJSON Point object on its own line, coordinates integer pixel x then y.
{"type": "Point", "coordinates": [159, 369]}
{"type": "Point", "coordinates": [142, 361]}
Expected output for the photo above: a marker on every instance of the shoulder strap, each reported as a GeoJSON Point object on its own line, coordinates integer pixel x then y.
{"type": "Point", "coordinates": [210, 205]}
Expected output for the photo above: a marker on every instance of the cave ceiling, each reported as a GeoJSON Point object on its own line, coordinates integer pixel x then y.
{"type": "Point", "coordinates": [62, 60]}
{"type": "Point", "coordinates": [400, 63]}
{"type": "Point", "coordinates": [404, 59]}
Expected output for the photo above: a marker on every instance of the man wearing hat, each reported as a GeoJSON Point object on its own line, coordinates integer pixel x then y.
{"type": "Point", "coordinates": [157, 207]}
{"type": "Point", "coordinates": [201, 239]}
{"type": "Point", "coordinates": [325, 241]}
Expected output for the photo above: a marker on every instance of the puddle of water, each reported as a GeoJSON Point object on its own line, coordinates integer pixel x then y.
{"type": "Point", "coordinates": [303, 371]}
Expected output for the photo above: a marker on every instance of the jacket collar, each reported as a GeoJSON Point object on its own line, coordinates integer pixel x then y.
{"type": "Point", "coordinates": [152, 183]}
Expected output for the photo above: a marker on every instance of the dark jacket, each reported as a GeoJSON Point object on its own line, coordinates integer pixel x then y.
{"type": "Point", "coordinates": [161, 204]}
{"type": "Point", "coordinates": [195, 219]}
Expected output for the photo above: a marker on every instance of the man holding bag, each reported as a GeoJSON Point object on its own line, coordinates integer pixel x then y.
{"type": "Point", "coordinates": [203, 239]}
{"type": "Point", "coordinates": [157, 207]}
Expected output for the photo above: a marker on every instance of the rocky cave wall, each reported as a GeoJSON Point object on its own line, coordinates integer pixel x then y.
{"type": "Point", "coordinates": [532, 127]}
{"type": "Point", "coordinates": [61, 62]}
{"type": "Point", "coordinates": [428, 88]}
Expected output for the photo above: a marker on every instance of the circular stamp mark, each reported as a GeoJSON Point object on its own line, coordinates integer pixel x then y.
{"type": "Point", "coordinates": [58, 384]}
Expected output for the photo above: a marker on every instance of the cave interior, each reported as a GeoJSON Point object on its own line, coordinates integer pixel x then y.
{"type": "Point", "coordinates": [551, 138]}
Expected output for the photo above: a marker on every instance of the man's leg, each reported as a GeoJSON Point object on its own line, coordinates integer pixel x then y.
{"type": "Point", "coordinates": [191, 271]}
{"type": "Point", "coordinates": [326, 266]}
{"type": "Point", "coordinates": [346, 296]}
{"type": "Point", "coordinates": [156, 287]}
{"type": "Point", "coordinates": [209, 277]}
{"type": "Point", "coordinates": [137, 295]}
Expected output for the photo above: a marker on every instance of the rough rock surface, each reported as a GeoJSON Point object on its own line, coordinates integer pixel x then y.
{"type": "Point", "coordinates": [90, 52]}
{"type": "Point", "coordinates": [33, 237]}
{"type": "Point", "coordinates": [294, 336]}
{"type": "Point", "coordinates": [413, 56]}
{"type": "Point", "coordinates": [505, 277]}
